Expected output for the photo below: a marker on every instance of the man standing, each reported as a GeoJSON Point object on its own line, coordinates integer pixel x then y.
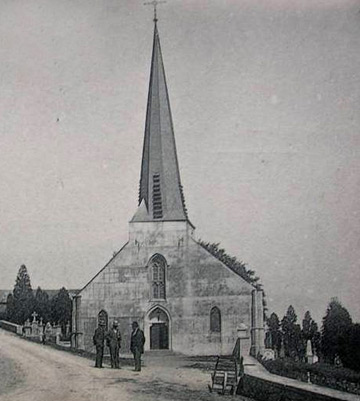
{"type": "Point", "coordinates": [98, 340]}
{"type": "Point", "coordinates": [113, 341]}
{"type": "Point", "coordinates": [137, 345]}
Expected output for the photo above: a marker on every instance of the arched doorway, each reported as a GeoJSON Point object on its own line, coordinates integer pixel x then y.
{"type": "Point", "coordinates": [158, 328]}
{"type": "Point", "coordinates": [103, 319]}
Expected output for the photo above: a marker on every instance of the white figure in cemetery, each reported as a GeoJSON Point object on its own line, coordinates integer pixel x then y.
{"type": "Point", "coordinates": [48, 331]}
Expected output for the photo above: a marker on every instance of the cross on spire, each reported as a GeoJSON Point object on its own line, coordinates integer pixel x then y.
{"type": "Point", "coordinates": [154, 3]}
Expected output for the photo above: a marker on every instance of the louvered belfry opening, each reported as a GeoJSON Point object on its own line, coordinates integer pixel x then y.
{"type": "Point", "coordinates": [157, 201]}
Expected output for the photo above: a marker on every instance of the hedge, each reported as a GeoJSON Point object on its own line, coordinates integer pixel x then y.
{"type": "Point", "coordinates": [335, 377]}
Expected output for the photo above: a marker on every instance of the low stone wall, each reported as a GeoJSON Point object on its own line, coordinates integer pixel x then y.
{"type": "Point", "coordinates": [265, 390]}
{"type": "Point", "coordinates": [8, 326]}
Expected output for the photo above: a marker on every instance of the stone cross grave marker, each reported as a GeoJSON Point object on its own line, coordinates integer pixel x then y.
{"type": "Point", "coordinates": [34, 316]}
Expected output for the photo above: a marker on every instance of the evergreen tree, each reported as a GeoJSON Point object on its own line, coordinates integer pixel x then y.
{"type": "Point", "coordinates": [310, 332]}
{"type": "Point", "coordinates": [61, 308]}
{"type": "Point", "coordinates": [42, 305]}
{"type": "Point", "coordinates": [315, 337]}
{"type": "Point", "coordinates": [306, 326]}
{"type": "Point", "coordinates": [10, 308]}
{"type": "Point", "coordinates": [336, 323]}
{"type": "Point", "coordinates": [292, 339]}
{"type": "Point", "coordinates": [349, 347]}
{"type": "Point", "coordinates": [23, 296]}
{"type": "Point", "coordinates": [274, 333]}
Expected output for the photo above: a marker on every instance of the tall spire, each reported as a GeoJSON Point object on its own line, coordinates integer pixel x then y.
{"type": "Point", "coordinates": [160, 195]}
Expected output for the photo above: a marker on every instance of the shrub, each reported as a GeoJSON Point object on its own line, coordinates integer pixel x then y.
{"type": "Point", "coordinates": [320, 373]}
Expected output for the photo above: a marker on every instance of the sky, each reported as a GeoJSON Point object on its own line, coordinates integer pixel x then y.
{"type": "Point", "coordinates": [265, 98]}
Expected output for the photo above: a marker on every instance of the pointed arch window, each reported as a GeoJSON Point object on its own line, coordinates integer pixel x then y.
{"type": "Point", "coordinates": [158, 277]}
{"type": "Point", "coordinates": [215, 320]}
{"type": "Point", "coordinates": [103, 319]}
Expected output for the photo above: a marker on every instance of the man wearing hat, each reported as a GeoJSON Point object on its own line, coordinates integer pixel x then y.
{"type": "Point", "coordinates": [113, 341]}
{"type": "Point", "coordinates": [137, 345]}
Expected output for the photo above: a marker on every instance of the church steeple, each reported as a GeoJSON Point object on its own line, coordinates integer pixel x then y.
{"type": "Point", "coordinates": [160, 195]}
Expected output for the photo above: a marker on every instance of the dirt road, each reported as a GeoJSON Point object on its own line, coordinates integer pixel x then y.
{"type": "Point", "coordinates": [30, 371]}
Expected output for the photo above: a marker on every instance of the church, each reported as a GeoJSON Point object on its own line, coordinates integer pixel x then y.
{"type": "Point", "coordinates": [185, 299]}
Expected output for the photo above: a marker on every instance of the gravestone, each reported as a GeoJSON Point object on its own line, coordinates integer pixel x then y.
{"type": "Point", "coordinates": [41, 329]}
{"type": "Point", "coordinates": [268, 355]}
{"type": "Point", "coordinates": [67, 329]}
{"type": "Point", "coordinates": [57, 332]}
{"type": "Point", "coordinates": [34, 316]}
{"type": "Point", "coordinates": [282, 350]}
{"type": "Point", "coordinates": [27, 328]}
{"type": "Point", "coordinates": [48, 331]}
{"type": "Point", "coordinates": [34, 325]}
{"type": "Point", "coordinates": [309, 353]}
{"type": "Point", "coordinates": [337, 361]}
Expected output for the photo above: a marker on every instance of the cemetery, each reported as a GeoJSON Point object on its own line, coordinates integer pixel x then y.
{"type": "Point", "coordinates": [36, 330]}
{"type": "Point", "coordinates": [234, 374]}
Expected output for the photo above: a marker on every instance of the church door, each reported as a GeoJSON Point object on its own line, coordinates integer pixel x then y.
{"type": "Point", "coordinates": [159, 329]}
{"type": "Point", "coordinates": [159, 336]}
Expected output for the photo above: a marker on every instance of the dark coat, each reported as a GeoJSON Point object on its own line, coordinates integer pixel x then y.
{"type": "Point", "coordinates": [137, 341]}
{"type": "Point", "coordinates": [99, 337]}
{"type": "Point", "coordinates": [113, 338]}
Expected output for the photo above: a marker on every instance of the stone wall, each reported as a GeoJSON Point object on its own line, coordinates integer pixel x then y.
{"type": "Point", "coordinates": [9, 326]}
{"type": "Point", "coordinates": [265, 390]}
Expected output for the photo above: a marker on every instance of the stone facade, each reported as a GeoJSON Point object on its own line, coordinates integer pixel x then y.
{"type": "Point", "coordinates": [195, 282]}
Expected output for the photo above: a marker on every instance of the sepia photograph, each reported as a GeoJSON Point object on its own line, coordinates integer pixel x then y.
{"type": "Point", "coordinates": [180, 200]}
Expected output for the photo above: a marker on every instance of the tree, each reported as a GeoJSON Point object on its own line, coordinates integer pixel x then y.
{"type": "Point", "coordinates": [349, 347]}
{"type": "Point", "coordinates": [42, 305]}
{"type": "Point", "coordinates": [292, 339]}
{"type": "Point", "coordinates": [10, 308]}
{"type": "Point", "coordinates": [274, 333]}
{"type": "Point", "coordinates": [61, 308]}
{"type": "Point", "coordinates": [306, 324]}
{"type": "Point", "coordinates": [23, 296]}
{"type": "Point", "coordinates": [336, 323]}
{"type": "Point", "coordinates": [310, 332]}
{"type": "Point", "coordinates": [315, 338]}
{"type": "Point", "coordinates": [231, 261]}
